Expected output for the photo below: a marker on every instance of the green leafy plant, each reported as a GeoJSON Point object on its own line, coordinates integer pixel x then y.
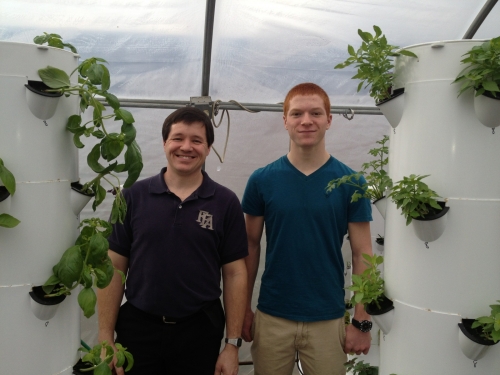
{"type": "Point", "coordinates": [360, 368]}
{"type": "Point", "coordinates": [93, 83]}
{"type": "Point", "coordinates": [490, 325]}
{"type": "Point", "coordinates": [414, 198]}
{"type": "Point", "coordinates": [368, 287]}
{"type": "Point", "coordinates": [86, 263]}
{"type": "Point", "coordinates": [377, 179]}
{"type": "Point", "coordinates": [482, 72]}
{"type": "Point", "coordinates": [9, 181]}
{"type": "Point", "coordinates": [53, 40]}
{"type": "Point", "coordinates": [99, 365]}
{"type": "Point", "coordinates": [374, 61]}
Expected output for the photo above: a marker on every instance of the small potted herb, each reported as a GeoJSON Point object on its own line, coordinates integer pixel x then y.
{"type": "Point", "coordinates": [368, 289]}
{"type": "Point", "coordinates": [92, 363]}
{"type": "Point", "coordinates": [9, 188]}
{"type": "Point", "coordinates": [377, 181]}
{"type": "Point", "coordinates": [482, 74]}
{"type": "Point", "coordinates": [417, 202]}
{"type": "Point", "coordinates": [93, 83]}
{"type": "Point", "coordinates": [360, 368]}
{"type": "Point", "coordinates": [374, 61]}
{"type": "Point", "coordinates": [476, 336]}
{"type": "Point", "coordinates": [86, 263]}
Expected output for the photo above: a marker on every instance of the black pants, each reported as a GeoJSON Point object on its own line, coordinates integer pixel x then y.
{"type": "Point", "coordinates": [190, 347]}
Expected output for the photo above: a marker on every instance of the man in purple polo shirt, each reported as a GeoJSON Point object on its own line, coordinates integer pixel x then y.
{"type": "Point", "coordinates": [181, 232]}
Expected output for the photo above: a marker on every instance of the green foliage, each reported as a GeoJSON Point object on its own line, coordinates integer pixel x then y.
{"type": "Point", "coordinates": [100, 365]}
{"type": "Point", "coordinates": [414, 197]}
{"type": "Point", "coordinates": [482, 72]}
{"type": "Point", "coordinates": [360, 368]}
{"type": "Point", "coordinates": [377, 179]}
{"type": "Point", "coordinates": [93, 82]}
{"type": "Point", "coordinates": [374, 61]}
{"type": "Point", "coordinates": [490, 325]}
{"type": "Point", "coordinates": [86, 263]}
{"type": "Point", "coordinates": [9, 181]}
{"type": "Point", "coordinates": [368, 287]}
{"type": "Point", "coordinates": [53, 40]}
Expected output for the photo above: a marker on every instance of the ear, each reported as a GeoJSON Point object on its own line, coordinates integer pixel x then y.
{"type": "Point", "coordinates": [329, 121]}
{"type": "Point", "coordinates": [284, 121]}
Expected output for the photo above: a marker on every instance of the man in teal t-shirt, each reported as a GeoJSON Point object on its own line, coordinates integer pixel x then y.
{"type": "Point", "coordinates": [301, 304]}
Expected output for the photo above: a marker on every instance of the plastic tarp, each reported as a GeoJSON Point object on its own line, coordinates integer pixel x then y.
{"type": "Point", "coordinates": [261, 49]}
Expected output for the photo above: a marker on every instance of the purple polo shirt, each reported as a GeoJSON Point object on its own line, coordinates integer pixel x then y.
{"type": "Point", "coordinates": [176, 249]}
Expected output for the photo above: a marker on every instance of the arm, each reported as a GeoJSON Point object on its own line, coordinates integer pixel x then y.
{"type": "Point", "coordinates": [255, 226]}
{"type": "Point", "coordinates": [360, 238]}
{"type": "Point", "coordinates": [234, 276]}
{"type": "Point", "coordinates": [109, 300]}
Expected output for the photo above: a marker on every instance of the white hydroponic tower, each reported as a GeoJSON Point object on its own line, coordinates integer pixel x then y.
{"type": "Point", "coordinates": [41, 155]}
{"type": "Point", "coordinates": [457, 275]}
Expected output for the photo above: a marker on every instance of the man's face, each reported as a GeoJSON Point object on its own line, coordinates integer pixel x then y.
{"type": "Point", "coordinates": [186, 148]}
{"type": "Point", "coordinates": [306, 120]}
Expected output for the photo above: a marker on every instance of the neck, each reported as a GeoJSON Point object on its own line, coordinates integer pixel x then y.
{"type": "Point", "coordinates": [307, 160]}
{"type": "Point", "coordinates": [182, 185]}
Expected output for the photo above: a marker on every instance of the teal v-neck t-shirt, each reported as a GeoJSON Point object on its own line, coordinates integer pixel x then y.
{"type": "Point", "coordinates": [305, 226]}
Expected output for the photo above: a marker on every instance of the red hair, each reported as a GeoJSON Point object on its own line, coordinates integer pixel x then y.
{"type": "Point", "coordinates": [306, 89]}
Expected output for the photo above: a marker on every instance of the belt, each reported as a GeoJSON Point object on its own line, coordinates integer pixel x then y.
{"type": "Point", "coordinates": [170, 320]}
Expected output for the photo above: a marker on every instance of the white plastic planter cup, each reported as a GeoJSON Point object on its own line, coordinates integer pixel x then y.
{"type": "Point", "coordinates": [42, 104]}
{"type": "Point", "coordinates": [44, 308]}
{"type": "Point", "coordinates": [431, 227]}
{"type": "Point", "coordinates": [381, 205]}
{"type": "Point", "coordinates": [393, 107]}
{"type": "Point", "coordinates": [383, 316]}
{"type": "Point", "coordinates": [473, 346]}
{"type": "Point", "coordinates": [78, 199]}
{"type": "Point", "coordinates": [487, 110]}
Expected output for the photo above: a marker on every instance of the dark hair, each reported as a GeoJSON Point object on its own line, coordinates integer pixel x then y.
{"type": "Point", "coordinates": [189, 115]}
{"type": "Point", "coordinates": [306, 89]}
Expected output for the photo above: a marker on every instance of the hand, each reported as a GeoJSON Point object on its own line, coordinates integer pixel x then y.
{"type": "Point", "coordinates": [112, 365]}
{"type": "Point", "coordinates": [228, 362]}
{"type": "Point", "coordinates": [356, 341]}
{"type": "Point", "coordinates": [246, 332]}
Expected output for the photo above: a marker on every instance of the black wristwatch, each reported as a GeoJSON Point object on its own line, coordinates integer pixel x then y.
{"type": "Point", "coordinates": [236, 342]}
{"type": "Point", "coordinates": [363, 326]}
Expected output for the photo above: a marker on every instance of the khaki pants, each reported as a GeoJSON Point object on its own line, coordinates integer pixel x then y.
{"type": "Point", "coordinates": [276, 341]}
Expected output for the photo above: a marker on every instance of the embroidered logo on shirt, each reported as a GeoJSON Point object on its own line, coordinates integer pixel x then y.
{"type": "Point", "coordinates": [205, 220]}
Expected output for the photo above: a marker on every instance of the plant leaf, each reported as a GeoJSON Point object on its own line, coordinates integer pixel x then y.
{"type": "Point", "coordinates": [87, 300]}
{"type": "Point", "coordinates": [54, 78]}
{"type": "Point", "coordinates": [7, 178]}
{"type": "Point", "coordinates": [8, 221]}
{"type": "Point", "coordinates": [70, 266]}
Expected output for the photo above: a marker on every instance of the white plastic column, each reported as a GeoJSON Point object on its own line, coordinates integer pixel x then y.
{"type": "Point", "coordinates": [44, 161]}
{"type": "Point", "coordinates": [457, 276]}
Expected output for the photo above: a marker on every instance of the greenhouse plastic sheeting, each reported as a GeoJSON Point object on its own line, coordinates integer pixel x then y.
{"type": "Point", "coordinates": [260, 50]}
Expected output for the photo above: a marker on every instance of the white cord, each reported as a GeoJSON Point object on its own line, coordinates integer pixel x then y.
{"type": "Point", "coordinates": [215, 110]}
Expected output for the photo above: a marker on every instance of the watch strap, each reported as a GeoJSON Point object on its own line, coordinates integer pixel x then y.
{"type": "Point", "coordinates": [363, 326]}
{"type": "Point", "coordinates": [236, 342]}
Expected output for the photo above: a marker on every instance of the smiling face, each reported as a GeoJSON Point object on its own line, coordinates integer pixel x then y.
{"type": "Point", "coordinates": [307, 121]}
{"type": "Point", "coordinates": [186, 148]}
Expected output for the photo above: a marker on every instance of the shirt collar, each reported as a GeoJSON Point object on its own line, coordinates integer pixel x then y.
{"type": "Point", "coordinates": [205, 190]}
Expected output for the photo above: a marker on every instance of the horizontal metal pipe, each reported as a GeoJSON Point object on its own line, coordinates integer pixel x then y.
{"type": "Point", "coordinates": [261, 107]}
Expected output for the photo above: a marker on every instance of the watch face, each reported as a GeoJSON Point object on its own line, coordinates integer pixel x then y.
{"type": "Point", "coordinates": [363, 326]}
{"type": "Point", "coordinates": [366, 326]}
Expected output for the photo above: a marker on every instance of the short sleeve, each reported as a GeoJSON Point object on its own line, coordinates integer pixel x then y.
{"type": "Point", "coordinates": [252, 203]}
{"type": "Point", "coordinates": [235, 244]}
